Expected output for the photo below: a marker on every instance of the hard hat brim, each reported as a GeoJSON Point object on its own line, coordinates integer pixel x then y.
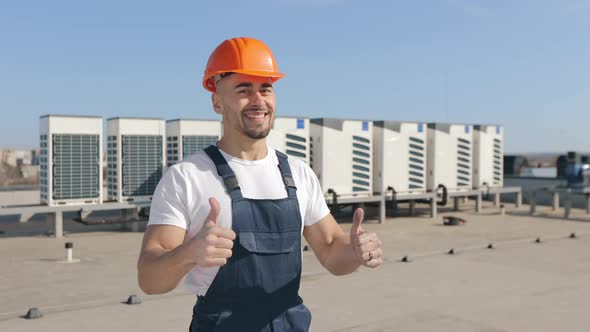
{"type": "Point", "coordinates": [209, 85]}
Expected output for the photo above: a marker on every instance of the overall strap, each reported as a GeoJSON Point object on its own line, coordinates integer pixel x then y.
{"type": "Point", "coordinates": [286, 175]}
{"type": "Point", "coordinates": [229, 178]}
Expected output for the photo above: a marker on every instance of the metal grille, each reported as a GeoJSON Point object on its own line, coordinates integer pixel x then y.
{"type": "Point", "coordinates": [171, 150]}
{"type": "Point", "coordinates": [311, 152]}
{"type": "Point", "coordinates": [112, 166]}
{"type": "Point", "coordinates": [361, 164]}
{"type": "Point", "coordinates": [76, 166]}
{"type": "Point", "coordinates": [416, 163]}
{"type": "Point", "coordinates": [142, 164]}
{"type": "Point", "coordinates": [463, 163]}
{"type": "Point", "coordinates": [296, 146]}
{"type": "Point", "coordinates": [497, 161]}
{"type": "Point", "coordinates": [192, 144]}
{"type": "Point", "coordinates": [43, 181]}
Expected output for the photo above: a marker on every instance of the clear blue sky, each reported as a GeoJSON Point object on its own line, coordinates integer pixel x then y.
{"type": "Point", "coordinates": [522, 64]}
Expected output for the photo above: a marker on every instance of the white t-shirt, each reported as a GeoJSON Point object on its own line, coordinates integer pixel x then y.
{"type": "Point", "coordinates": [182, 197]}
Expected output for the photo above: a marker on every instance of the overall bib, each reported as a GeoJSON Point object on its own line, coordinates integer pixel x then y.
{"type": "Point", "coordinates": [258, 289]}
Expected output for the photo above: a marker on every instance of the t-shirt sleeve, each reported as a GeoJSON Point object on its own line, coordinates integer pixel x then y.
{"type": "Point", "coordinates": [317, 208]}
{"type": "Point", "coordinates": [169, 200]}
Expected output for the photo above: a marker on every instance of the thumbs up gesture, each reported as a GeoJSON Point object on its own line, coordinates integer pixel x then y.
{"type": "Point", "coordinates": [212, 244]}
{"type": "Point", "coordinates": [366, 246]}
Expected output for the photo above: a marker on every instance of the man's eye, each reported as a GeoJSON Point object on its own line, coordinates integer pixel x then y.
{"type": "Point", "coordinates": [242, 92]}
{"type": "Point", "coordinates": [266, 91]}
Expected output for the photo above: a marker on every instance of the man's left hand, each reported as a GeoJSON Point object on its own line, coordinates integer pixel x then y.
{"type": "Point", "coordinates": [366, 246]}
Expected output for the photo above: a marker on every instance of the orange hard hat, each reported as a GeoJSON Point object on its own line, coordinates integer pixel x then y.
{"type": "Point", "coordinates": [241, 55]}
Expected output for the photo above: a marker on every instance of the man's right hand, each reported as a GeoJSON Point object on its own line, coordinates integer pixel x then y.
{"type": "Point", "coordinates": [212, 245]}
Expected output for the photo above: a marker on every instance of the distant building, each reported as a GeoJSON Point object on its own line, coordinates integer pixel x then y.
{"type": "Point", "coordinates": [540, 172]}
{"type": "Point", "coordinates": [15, 158]}
{"type": "Point", "coordinates": [35, 157]}
{"type": "Point", "coordinates": [23, 157]}
{"type": "Point", "coordinates": [567, 164]}
{"type": "Point", "coordinates": [29, 171]}
{"type": "Point", "coordinates": [515, 164]}
{"type": "Point", "coordinates": [9, 157]}
{"type": "Point", "coordinates": [561, 164]}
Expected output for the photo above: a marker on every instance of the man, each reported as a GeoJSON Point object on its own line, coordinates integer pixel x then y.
{"type": "Point", "coordinates": [231, 217]}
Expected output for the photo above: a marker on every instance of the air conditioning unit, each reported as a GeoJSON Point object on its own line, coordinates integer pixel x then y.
{"type": "Point", "coordinates": [291, 136]}
{"type": "Point", "coordinates": [400, 156]}
{"type": "Point", "coordinates": [70, 159]}
{"type": "Point", "coordinates": [135, 158]}
{"type": "Point", "coordinates": [450, 156]}
{"type": "Point", "coordinates": [488, 156]}
{"type": "Point", "coordinates": [186, 136]}
{"type": "Point", "coordinates": [342, 155]}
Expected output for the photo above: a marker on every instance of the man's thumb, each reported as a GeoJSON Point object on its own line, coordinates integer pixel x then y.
{"type": "Point", "coordinates": [214, 212]}
{"type": "Point", "coordinates": [357, 219]}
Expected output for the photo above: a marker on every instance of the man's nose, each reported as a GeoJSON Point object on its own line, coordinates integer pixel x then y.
{"type": "Point", "coordinates": [256, 99]}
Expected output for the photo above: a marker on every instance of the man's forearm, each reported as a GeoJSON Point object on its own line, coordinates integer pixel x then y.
{"type": "Point", "coordinates": [160, 270]}
{"type": "Point", "coordinates": [341, 259]}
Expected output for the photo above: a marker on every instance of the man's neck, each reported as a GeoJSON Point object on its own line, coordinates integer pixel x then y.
{"type": "Point", "coordinates": [244, 147]}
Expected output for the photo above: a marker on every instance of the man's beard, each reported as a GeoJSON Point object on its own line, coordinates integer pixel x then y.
{"type": "Point", "coordinates": [256, 134]}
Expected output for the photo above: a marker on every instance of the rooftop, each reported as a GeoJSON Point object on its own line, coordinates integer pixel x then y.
{"type": "Point", "coordinates": [518, 286]}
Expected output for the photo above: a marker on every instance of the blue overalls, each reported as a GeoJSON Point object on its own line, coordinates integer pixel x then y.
{"type": "Point", "coordinates": [257, 290]}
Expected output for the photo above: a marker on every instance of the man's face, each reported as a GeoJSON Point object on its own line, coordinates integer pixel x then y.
{"type": "Point", "coordinates": [247, 104]}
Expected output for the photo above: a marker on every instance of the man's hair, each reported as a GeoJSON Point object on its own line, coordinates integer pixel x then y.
{"type": "Point", "coordinates": [219, 77]}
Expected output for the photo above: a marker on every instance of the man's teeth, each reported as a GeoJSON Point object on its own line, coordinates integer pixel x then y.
{"type": "Point", "coordinates": [255, 116]}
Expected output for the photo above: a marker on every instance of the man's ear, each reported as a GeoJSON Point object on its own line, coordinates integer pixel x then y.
{"type": "Point", "coordinates": [216, 101]}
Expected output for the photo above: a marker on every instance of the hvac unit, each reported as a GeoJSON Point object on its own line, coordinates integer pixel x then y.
{"type": "Point", "coordinates": [488, 156]}
{"type": "Point", "coordinates": [70, 159]}
{"type": "Point", "coordinates": [399, 163]}
{"type": "Point", "coordinates": [290, 136]}
{"type": "Point", "coordinates": [449, 156]}
{"type": "Point", "coordinates": [342, 155]}
{"type": "Point", "coordinates": [135, 151]}
{"type": "Point", "coordinates": [185, 137]}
